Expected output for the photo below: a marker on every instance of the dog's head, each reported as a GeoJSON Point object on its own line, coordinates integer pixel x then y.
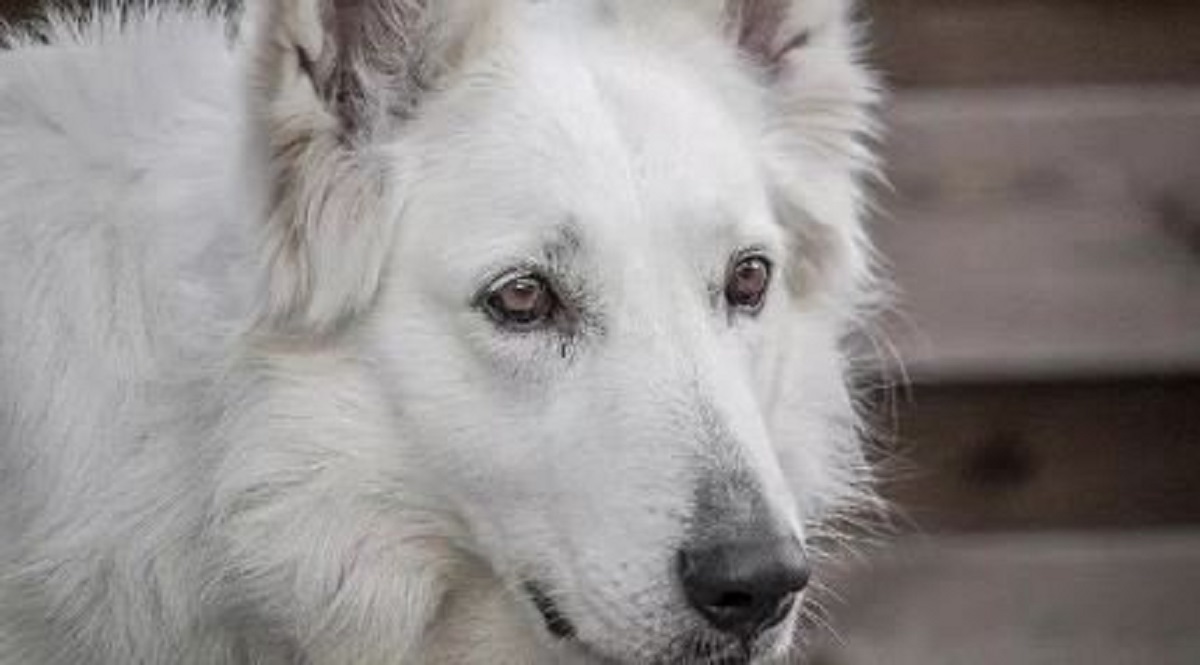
{"type": "Point", "coordinates": [603, 252]}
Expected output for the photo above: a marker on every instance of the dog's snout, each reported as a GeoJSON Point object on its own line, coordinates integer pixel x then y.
{"type": "Point", "coordinates": [744, 587]}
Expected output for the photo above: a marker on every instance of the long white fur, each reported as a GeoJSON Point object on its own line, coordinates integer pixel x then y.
{"type": "Point", "coordinates": [246, 412]}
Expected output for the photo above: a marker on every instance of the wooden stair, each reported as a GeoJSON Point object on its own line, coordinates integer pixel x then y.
{"type": "Point", "coordinates": [1045, 232]}
{"type": "Point", "coordinates": [1099, 599]}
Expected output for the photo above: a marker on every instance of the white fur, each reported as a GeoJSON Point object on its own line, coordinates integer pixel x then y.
{"type": "Point", "coordinates": [249, 412]}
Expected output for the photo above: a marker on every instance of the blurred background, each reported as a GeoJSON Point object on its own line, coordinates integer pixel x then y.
{"type": "Point", "coordinates": [1043, 228]}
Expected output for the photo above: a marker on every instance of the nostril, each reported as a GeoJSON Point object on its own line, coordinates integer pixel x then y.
{"type": "Point", "coordinates": [734, 600]}
{"type": "Point", "coordinates": [744, 588]}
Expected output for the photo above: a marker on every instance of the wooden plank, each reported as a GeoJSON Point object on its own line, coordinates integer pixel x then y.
{"type": "Point", "coordinates": [925, 43]}
{"type": "Point", "coordinates": [1064, 454]}
{"type": "Point", "coordinates": [1099, 599]}
{"type": "Point", "coordinates": [1045, 233]}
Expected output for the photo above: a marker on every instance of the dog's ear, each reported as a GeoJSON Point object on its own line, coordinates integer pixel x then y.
{"type": "Point", "coordinates": [820, 106]}
{"type": "Point", "coordinates": [331, 81]}
{"type": "Point", "coordinates": [772, 31]}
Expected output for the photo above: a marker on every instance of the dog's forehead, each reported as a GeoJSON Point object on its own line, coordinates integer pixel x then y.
{"type": "Point", "coordinates": [626, 137]}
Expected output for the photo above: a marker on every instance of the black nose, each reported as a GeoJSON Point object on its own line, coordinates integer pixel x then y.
{"type": "Point", "coordinates": [744, 588]}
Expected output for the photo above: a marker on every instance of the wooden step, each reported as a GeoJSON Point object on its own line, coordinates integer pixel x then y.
{"type": "Point", "coordinates": [1099, 599]}
{"type": "Point", "coordinates": [1045, 455]}
{"type": "Point", "coordinates": [930, 43]}
{"type": "Point", "coordinates": [1039, 233]}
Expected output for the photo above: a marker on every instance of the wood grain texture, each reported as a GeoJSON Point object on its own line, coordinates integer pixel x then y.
{"type": "Point", "coordinates": [1038, 456]}
{"type": "Point", "coordinates": [1045, 233]}
{"type": "Point", "coordinates": [1100, 599]}
{"type": "Point", "coordinates": [957, 43]}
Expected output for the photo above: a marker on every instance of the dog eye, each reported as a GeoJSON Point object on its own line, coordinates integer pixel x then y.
{"type": "Point", "coordinates": [523, 302]}
{"type": "Point", "coordinates": [746, 286]}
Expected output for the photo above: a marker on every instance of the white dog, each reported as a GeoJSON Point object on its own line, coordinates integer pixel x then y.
{"type": "Point", "coordinates": [365, 332]}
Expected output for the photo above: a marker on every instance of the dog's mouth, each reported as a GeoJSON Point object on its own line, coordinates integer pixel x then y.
{"type": "Point", "coordinates": [700, 648]}
{"type": "Point", "coordinates": [557, 623]}
{"type": "Point", "coordinates": [704, 652]}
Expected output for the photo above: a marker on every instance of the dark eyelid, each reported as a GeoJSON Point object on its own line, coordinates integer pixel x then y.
{"type": "Point", "coordinates": [567, 290]}
{"type": "Point", "coordinates": [496, 280]}
{"type": "Point", "coordinates": [751, 251]}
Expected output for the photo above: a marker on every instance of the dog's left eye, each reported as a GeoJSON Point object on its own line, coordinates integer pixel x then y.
{"type": "Point", "coordinates": [746, 286]}
{"type": "Point", "coordinates": [523, 302]}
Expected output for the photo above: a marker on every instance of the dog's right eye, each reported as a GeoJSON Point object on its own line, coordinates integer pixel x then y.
{"type": "Point", "coordinates": [523, 302]}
